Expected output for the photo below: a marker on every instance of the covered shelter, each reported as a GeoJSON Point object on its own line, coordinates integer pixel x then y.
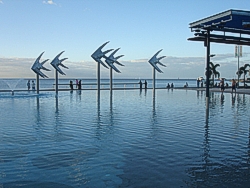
{"type": "Point", "coordinates": [228, 27]}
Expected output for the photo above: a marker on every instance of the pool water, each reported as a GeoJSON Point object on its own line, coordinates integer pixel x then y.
{"type": "Point", "coordinates": [131, 139]}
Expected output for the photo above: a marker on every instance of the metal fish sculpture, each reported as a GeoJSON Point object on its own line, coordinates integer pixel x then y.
{"type": "Point", "coordinates": [37, 66]}
{"type": "Point", "coordinates": [98, 54]}
{"type": "Point", "coordinates": [56, 62]}
{"type": "Point", "coordinates": [154, 60]}
{"type": "Point", "coordinates": [111, 60]}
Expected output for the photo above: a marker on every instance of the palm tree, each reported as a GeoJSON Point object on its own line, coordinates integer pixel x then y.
{"type": "Point", "coordinates": [210, 74]}
{"type": "Point", "coordinates": [243, 70]}
{"type": "Point", "coordinates": [212, 71]}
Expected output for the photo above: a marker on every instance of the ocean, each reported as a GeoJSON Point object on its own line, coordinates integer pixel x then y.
{"type": "Point", "coordinates": [21, 83]}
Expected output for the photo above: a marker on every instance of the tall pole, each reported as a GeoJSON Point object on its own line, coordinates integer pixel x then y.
{"type": "Point", "coordinates": [98, 79]}
{"type": "Point", "coordinates": [111, 80]}
{"type": "Point", "coordinates": [56, 82]}
{"type": "Point", "coordinates": [153, 82]}
{"type": "Point", "coordinates": [238, 54]}
{"type": "Point", "coordinates": [208, 68]}
{"type": "Point", "coordinates": [111, 88]}
{"type": "Point", "coordinates": [37, 83]}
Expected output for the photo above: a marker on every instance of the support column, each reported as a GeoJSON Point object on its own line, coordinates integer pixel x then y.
{"type": "Point", "coordinates": [56, 82]}
{"type": "Point", "coordinates": [238, 54]}
{"type": "Point", "coordinates": [153, 82]}
{"type": "Point", "coordinates": [111, 81]}
{"type": "Point", "coordinates": [37, 84]}
{"type": "Point", "coordinates": [208, 68]}
{"type": "Point", "coordinates": [98, 80]}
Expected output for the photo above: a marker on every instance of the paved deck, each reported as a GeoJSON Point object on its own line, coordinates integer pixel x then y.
{"type": "Point", "coordinates": [227, 90]}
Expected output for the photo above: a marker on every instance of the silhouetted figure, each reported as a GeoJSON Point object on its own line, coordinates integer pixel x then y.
{"type": "Point", "coordinates": [201, 84]}
{"type": "Point", "coordinates": [168, 86]}
{"type": "Point", "coordinates": [146, 84]}
{"type": "Point", "coordinates": [222, 86]}
{"type": "Point", "coordinates": [79, 85]}
{"type": "Point", "coordinates": [172, 85]}
{"type": "Point", "coordinates": [71, 85]}
{"type": "Point", "coordinates": [28, 84]}
{"type": "Point", "coordinates": [76, 83]}
{"type": "Point", "coordinates": [198, 82]}
{"type": "Point", "coordinates": [33, 85]}
{"type": "Point", "coordinates": [140, 83]}
{"type": "Point", "coordinates": [233, 85]}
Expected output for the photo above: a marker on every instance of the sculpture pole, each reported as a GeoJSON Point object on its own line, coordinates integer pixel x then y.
{"type": "Point", "coordinates": [56, 82]}
{"type": "Point", "coordinates": [56, 62]}
{"type": "Point", "coordinates": [97, 56]}
{"type": "Point", "coordinates": [36, 67]}
{"type": "Point", "coordinates": [98, 79]}
{"type": "Point", "coordinates": [111, 81]}
{"type": "Point", "coordinates": [153, 81]}
{"type": "Point", "coordinates": [37, 83]}
{"type": "Point", "coordinates": [153, 61]}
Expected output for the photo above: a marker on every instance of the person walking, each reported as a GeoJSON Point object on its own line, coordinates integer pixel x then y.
{"type": "Point", "coordinates": [233, 85]}
{"type": "Point", "coordinates": [28, 84]}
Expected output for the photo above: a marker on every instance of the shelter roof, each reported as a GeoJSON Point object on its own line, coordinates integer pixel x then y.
{"type": "Point", "coordinates": [230, 21]}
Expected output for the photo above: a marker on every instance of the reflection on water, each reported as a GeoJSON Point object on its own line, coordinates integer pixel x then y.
{"type": "Point", "coordinates": [125, 139]}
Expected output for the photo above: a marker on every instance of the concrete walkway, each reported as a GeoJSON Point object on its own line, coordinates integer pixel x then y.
{"type": "Point", "coordinates": [227, 90]}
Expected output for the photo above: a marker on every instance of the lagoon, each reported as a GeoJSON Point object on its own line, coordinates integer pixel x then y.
{"type": "Point", "coordinates": [131, 140]}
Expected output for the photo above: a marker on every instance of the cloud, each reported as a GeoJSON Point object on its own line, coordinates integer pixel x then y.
{"type": "Point", "coordinates": [1, 2]}
{"type": "Point", "coordinates": [182, 67]}
{"type": "Point", "coordinates": [50, 2]}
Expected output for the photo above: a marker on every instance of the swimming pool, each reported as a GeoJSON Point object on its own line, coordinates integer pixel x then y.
{"type": "Point", "coordinates": [131, 140]}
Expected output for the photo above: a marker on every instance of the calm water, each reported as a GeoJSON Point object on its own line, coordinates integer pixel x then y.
{"type": "Point", "coordinates": [132, 141]}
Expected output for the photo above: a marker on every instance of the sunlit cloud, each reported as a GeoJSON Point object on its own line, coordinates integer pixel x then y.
{"type": "Point", "coordinates": [50, 2]}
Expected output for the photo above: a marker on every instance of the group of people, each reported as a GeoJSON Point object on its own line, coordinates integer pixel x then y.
{"type": "Point", "coordinates": [78, 84]}
{"type": "Point", "coordinates": [145, 83]}
{"type": "Point", "coordinates": [170, 86]}
{"type": "Point", "coordinates": [32, 84]}
{"type": "Point", "coordinates": [222, 85]}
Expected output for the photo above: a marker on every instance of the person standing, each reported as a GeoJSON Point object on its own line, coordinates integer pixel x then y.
{"type": "Point", "coordinates": [71, 85]}
{"type": "Point", "coordinates": [222, 85]}
{"type": "Point", "coordinates": [28, 84]}
{"type": "Point", "coordinates": [33, 85]}
{"type": "Point", "coordinates": [233, 85]}
{"type": "Point", "coordinates": [198, 82]}
{"type": "Point", "coordinates": [76, 83]}
{"type": "Point", "coordinates": [80, 85]}
{"type": "Point", "coordinates": [146, 84]}
{"type": "Point", "coordinates": [140, 83]}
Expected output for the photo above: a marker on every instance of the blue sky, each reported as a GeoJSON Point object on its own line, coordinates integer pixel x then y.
{"type": "Point", "coordinates": [139, 27]}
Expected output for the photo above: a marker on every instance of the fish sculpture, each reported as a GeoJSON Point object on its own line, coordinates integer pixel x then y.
{"type": "Point", "coordinates": [98, 54]}
{"type": "Point", "coordinates": [56, 62]}
{"type": "Point", "coordinates": [37, 66]}
{"type": "Point", "coordinates": [154, 60]}
{"type": "Point", "coordinates": [111, 60]}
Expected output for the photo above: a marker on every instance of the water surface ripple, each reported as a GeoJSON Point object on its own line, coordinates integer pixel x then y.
{"type": "Point", "coordinates": [130, 140]}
